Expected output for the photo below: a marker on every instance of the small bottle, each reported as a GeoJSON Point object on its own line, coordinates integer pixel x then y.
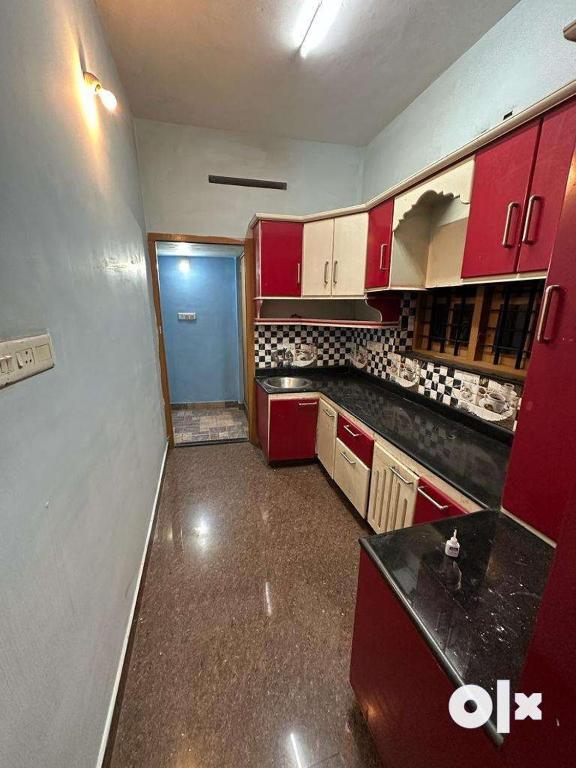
{"type": "Point", "coordinates": [452, 548]}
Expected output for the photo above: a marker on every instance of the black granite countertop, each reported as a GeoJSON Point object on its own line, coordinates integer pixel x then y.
{"type": "Point", "coordinates": [473, 459]}
{"type": "Point", "coordinates": [476, 612]}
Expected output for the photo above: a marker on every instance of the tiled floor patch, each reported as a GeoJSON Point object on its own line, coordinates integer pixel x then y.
{"type": "Point", "coordinates": [200, 425]}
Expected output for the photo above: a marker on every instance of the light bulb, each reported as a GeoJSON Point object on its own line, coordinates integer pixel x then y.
{"type": "Point", "coordinates": [108, 99]}
{"type": "Point", "coordinates": [184, 266]}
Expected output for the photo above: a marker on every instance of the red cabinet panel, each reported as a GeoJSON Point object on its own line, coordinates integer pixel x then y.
{"type": "Point", "coordinates": [279, 257]}
{"type": "Point", "coordinates": [402, 691]}
{"type": "Point", "coordinates": [292, 429]}
{"type": "Point", "coordinates": [358, 441]}
{"type": "Point", "coordinates": [541, 469]}
{"type": "Point", "coordinates": [262, 418]}
{"type": "Point", "coordinates": [379, 245]}
{"type": "Point", "coordinates": [499, 195]}
{"type": "Point", "coordinates": [555, 148]}
{"type": "Point", "coordinates": [432, 504]}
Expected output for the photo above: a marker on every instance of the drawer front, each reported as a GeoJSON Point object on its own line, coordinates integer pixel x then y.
{"type": "Point", "coordinates": [432, 504]}
{"type": "Point", "coordinates": [359, 442]}
{"type": "Point", "coordinates": [352, 476]}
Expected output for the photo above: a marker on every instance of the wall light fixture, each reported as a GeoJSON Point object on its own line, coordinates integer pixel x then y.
{"type": "Point", "coordinates": [95, 86]}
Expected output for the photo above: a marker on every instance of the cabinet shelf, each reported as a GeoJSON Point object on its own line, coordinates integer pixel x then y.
{"type": "Point", "coordinates": [365, 312]}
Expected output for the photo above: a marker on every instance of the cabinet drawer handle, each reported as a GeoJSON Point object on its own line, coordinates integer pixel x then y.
{"type": "Point", "coordinates": [353, 434]}
{"type": "Point", "coordinates": [331, 415]}
{"type": "Point", "coordinates": [543, 321]}
{"type": "Point", "coordinates": [298, 275]}
{"type": "Point", "coordinates": [399, 476]}
{"type": "Point", "coordinates": [511, 208]}
{"type": "Point", "coordinates": [326, 263]}
{"type": "Point", "coordinates": [306, 403]}
{"type": "Point", "coordinates": [526, 234]}
{"type": "Point", "coordinates": [335, 276]}
{"type": "Point", "coordinates": [382, 247]}
{"type": "Point", "coordinates": [346, 457]}
{"type": "Point", "coordinates": [422, 492]}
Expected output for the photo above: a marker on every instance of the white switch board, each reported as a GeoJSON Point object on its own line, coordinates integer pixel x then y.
{"type": "Point", "coordinates": [186, 315]}
{"type": "Point", "coordinates": [21, 358]}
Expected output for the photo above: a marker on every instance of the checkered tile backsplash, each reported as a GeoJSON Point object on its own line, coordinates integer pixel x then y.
{"type": "Point", "coordinates": [326, 346]}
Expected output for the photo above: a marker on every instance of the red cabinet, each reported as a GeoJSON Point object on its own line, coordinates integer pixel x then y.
{"type": "Point", "coordinates": [499, 195]}
{"type": "Point", "coordinates": [432, 504]}
{"type": "Point", "coordinates": [379, 245]}
{"type": "Point", "coordinates": [361, 444]}
{"type": "Point", "coordinates": [292, 428]}
{"type": "Point", "coordinates": [541, 472]}
{"type": "Point", "coordinates": [278, 258]}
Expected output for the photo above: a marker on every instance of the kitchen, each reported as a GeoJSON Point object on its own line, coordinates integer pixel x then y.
{"type": "Point", "coordinates": [286, 382]}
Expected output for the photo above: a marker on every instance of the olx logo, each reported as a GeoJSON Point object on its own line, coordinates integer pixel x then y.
{"type": "Point", "coordinates": [527, 706]}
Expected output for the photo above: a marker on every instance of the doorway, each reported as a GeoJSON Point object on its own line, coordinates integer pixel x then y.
{"type": "Point", "coordinates": [200, 298]}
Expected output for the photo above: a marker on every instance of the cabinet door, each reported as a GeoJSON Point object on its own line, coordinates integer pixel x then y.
{"type": "Point", "coordinates": [379, 245]}
{"type": "Point", "coordinates": [349, 262]}
{"type": "Point", "coordinates": [432, 504]}
{"type": "Point", "coordinates": [499, 194]}
{"type": "Point", "coordinates": [292, 429]}
{"type": "Point", "coordinates": [380, 490]}
{"type": "Point", "coordinates": [403, 497]}
{"type": "Point", "coordinates": [557, 139]}
{"type": "Point", "coordinates": [262, 418]}
{"type": "Point", "coordinates": [326, 436]}
{"type": "Point", "coordinates": [352, 476]}
{"type": "Point", "coordinates": [540, 474]}
{"type": "Point", "coordinates": [317, 258]}
{"type": "Point", "coordinates": [280, 247]}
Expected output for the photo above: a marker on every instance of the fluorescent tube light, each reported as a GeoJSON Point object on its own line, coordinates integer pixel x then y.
{"type": "Point", "coordinates": [322, 20]}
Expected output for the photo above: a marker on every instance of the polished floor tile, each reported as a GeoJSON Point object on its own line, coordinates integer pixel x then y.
{"type": "Point", "coordinates": [242, 647]}
{"type": "Point", "coordinates": [200, 425]}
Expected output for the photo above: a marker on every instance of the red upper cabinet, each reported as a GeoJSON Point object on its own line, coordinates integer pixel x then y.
{"type": "Point", "coordinates": [278, 258]}
{"type": "Point", "coordinates": [292, 428]}
{"type": "Point", "coordinates": [499, 196]}
{"type": "Point", "coordinates": [379, 245]}
{"type": "Point", "coordinates": [555, 147]}
{"type": "Point", "coordinates": [541, 476]}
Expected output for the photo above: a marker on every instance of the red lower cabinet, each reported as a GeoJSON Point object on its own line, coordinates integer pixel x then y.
{"type": "Point", "coordinates": [432, 504]}
{"type": "Point", "coordinates": [401, 689]}
{"type": "Point", "coordinates": [292, 428]}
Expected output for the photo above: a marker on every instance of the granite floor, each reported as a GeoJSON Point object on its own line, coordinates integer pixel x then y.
{"type": "Point", "coordinates": [242, 646]}
{"type": "Point", "coordinates": [201, 425]}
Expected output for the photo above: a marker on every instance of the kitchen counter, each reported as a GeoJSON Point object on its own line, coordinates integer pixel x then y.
{"type": "Point", "coordinates": [466, 457]}
{"type": "Point", "coordinates": [476, 612]}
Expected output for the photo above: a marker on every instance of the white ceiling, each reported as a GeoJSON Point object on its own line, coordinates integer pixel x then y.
{"type": "Point", "coordinates": [234, 64]}
{"type": "Point", "coordinates": [165, 248]}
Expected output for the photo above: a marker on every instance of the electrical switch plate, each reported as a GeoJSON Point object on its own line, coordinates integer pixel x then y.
{"type": "Point", "coordinates": [21, 358]}
{"type": "Point", "coordinates": [186, 315]}
{"type": "Point", "coordinates": [374, 346]}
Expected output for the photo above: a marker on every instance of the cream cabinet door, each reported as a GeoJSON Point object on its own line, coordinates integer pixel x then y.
{"type": "Point", "coordinates": [326, 436]}
{"type": "Point", "coordinates": [381, 490]}
{"type": "Point", "coordinates": [403, 497]}
{"type": "Point", "coordinates": [318, 242]}
{"type": "Point", "coordinates": [349, 261]}
{"type": "Point", "coordinates": [352, 475]}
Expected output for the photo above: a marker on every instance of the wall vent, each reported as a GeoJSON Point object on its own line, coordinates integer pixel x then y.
{"type": "Point", "coordinates": [240, 182]}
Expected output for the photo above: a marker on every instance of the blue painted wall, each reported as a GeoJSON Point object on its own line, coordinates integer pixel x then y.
{"type": "Point", "coordinates": [202, 355]}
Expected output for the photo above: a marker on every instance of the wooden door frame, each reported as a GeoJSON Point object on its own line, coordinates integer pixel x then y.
{"type": "Point", "coordinates": [153, 238]}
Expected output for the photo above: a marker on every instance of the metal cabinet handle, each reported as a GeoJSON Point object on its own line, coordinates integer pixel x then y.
{"type": "Point", "coordinates": [298, 276]}
{"type": "Point", "coordinates": [511, 208]}
{"type": "Point", "coordinates": [382, 247]}
{"type": "Point", "coordinates": [544, 312]}
{"type": "Point", "coordinates": [528, 222]}
{"type": "Point", "coordinates": [422, 492]}
{"type": "Point", "coordinates": [306, 403]}
{"type": "Point", "coordinates": [354, 434]}
{"type": "Point", "coordinates": [346, 457]}
{"type": "Point", "coordinates": [399, 476]}
{"type": "Point", "coordinates": [331, 415]}
{"type": "Point", "coordinates": [334, 276]}
{"type": "Point", "coordinates": [326, 263]}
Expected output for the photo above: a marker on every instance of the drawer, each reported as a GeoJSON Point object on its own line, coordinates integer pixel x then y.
{"type": "Point", "coordinates": [432, 504]}
{"type": "Point", "coordinates": [359, 442]}
{"type": "Point", "coordinates": [352, 475]}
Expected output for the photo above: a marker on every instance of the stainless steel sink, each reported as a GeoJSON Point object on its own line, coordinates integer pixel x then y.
{"type": "Point", "coordinates": [287, 382]}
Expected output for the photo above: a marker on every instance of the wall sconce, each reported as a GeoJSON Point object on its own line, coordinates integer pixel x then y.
{"type": "Point", "coordinates": [95, 86]}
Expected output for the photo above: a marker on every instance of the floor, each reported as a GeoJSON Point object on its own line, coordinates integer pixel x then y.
{"type": "Point", "coordinates": [242, 646]}
{"type": "Point", "coordinates": [200, 425]}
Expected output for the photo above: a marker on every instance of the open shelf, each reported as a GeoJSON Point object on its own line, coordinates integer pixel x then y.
{"type": "Point", "coordinates": [367, 312]}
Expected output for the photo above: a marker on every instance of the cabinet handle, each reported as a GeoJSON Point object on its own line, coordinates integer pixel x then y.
{"type": "Point", "coordinates": [382, 247]}
{"type": "Point", "coordinates": [306, 403]}
{"type": "Point", "coordinates": [326, 272]}
{"type": "Point", "coordinates": [335, 278]}
{"type": "Point", "coordinates": [526, 233]}
{"type": "Point", "coordinates": [544, 312]}
{"type": "Point", "coordinates": [331, 415]}
{"type": "Point", "coordinates": [298, 275]}
{"type": "Point", "coordinates": [399, 476]}
{"type": "Point", "coordinates": [354, 434]}
{"type": "Point", "coordinates": [422, 492]}
{"type": "Point", "coordinates": [346, 457]}
{"type": "Point", "coordinates": [511, 208]}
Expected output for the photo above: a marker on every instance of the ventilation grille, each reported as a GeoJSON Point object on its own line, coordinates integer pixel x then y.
{"type": "Point", "coordinates": [240, 182]}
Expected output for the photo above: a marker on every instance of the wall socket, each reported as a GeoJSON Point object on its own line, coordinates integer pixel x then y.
{"type": "Point", "coordinates": [21, 358]}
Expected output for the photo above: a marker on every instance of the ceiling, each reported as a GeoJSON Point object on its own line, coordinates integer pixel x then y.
{"type": "Point", "coordinates": [234, 64]}
{"type": "Point", "coordinates": [165, 248]}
